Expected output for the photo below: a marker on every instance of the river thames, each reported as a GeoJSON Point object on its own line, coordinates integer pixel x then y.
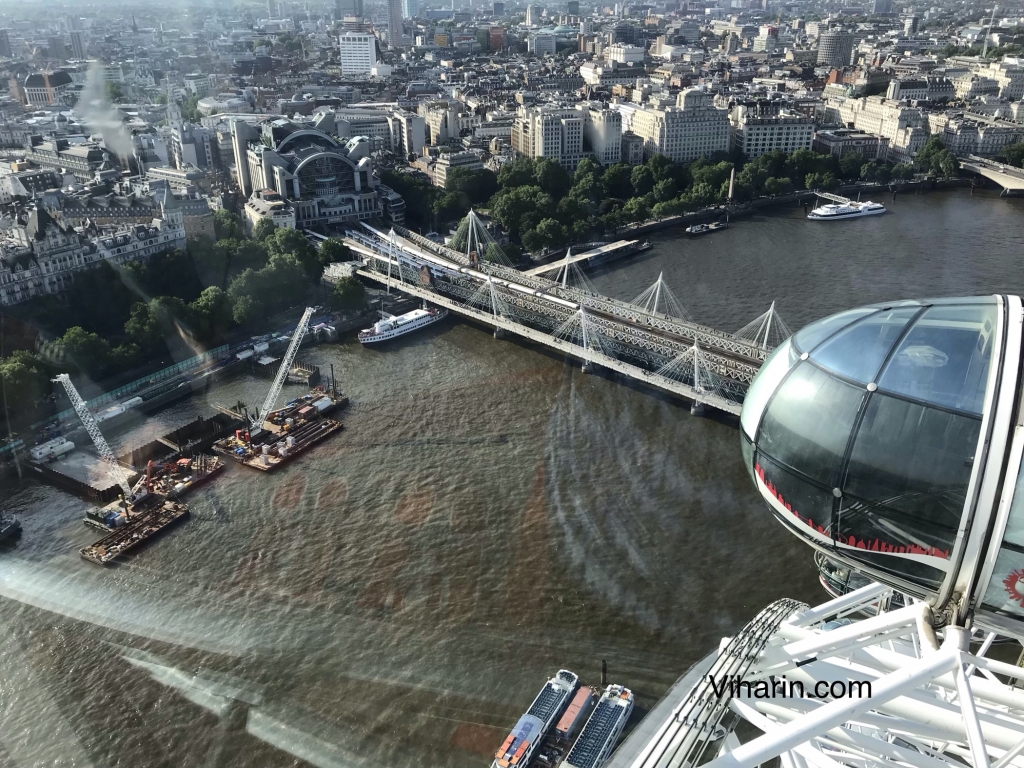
{"type": "Point", "coordinates": [489, 515]}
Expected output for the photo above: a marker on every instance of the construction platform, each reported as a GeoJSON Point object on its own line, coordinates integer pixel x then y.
{"type": "Point", "coordinates": [82, 473]}
{"type": "Point", "coordinates": [286, 432]}
{"type": "Point", "coordinates": [140, 529]}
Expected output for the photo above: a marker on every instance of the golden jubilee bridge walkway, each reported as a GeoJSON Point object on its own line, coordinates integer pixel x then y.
{"type": "Point", "coordinates": [650, 339]}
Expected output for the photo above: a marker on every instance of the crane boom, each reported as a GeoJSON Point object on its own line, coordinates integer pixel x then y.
{"type": "Point", "coordinates": [94, 432]}
{"type": "Point", "coordinates": [282, 372]}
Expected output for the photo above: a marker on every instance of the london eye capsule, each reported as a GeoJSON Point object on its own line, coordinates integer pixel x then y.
{"type": "Point", "coordinates": [890, 438]}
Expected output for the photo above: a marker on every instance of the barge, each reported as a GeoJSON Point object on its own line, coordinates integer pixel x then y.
{"type": "Point", "coordinates": [140, 529]}
{"type": "Point", "coordinates": [529, 732]}
{"type": "Point", "coordinates": [287, 432]}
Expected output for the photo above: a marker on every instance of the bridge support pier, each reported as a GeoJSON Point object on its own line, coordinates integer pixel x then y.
{"type": "Point", "coordinates": [696, 409]}
{"type": "Point", "coordinates": [587, 367]}
{"type": "Point", "coordinates": [499, 333]}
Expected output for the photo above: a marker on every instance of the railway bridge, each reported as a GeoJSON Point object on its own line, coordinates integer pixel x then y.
{"type": "Point", "coordinates": [650, 339]}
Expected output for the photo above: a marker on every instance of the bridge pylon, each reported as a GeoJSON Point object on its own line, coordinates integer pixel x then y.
{"type": "Point", "coordinates": [766, 331]}
{"type": "Point", "coordinates": [659, 299]}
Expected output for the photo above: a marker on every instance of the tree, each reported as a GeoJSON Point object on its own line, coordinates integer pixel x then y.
{"type": "Point", "coordinates": [211, 313]}
{"type": "Point", "coordinates": [903, 171]}
{"type": "Point", "coordinates": [333, 250]}
{"type": "Point", "coordinates": [348, 295]}
{"type": "Point", "coordinates": [616, 181]}
{"type": "Point", "coordinates": [552, 233]}
{"type": "Point", "coordinates": [87, 351]}
{"type": "Point", "coordinates": [114, 92]}
{"type": "Point", "coordinates": [637, 208]}
{"type": "Point", "coordinates": [227, 224]}
{"type": "Point", "coordinates": [518, 173]}
{"type": "Point", "coordinates": [665, 190]}
{"type": "Point", "coordinates": [642, 180]}
{"type": "Point", "coordinates": [263, 229]}
{"type": "Point", "coordinates": [286, 241]}
{"type": "Point", "coordinates": [850, 165]}
{"type": "Point", "coordinates": [1013, 154]}
{"type": "Point", "coordinates": [512, 208]}
{"type": "Point", "coordinates": [802, 164]}
{"type": "Point", "coordinates": [25, 380]}
{"type": "Point", "coordinates": [552, 178]}
{"type": "Point", "coordinates": [450, 206]}
{"type": "Point", "coordinates": [777, 186]}
{"type": "Point", "coordinates": [478, 186]}
{"type": "Point", "coordinates": [142, 330]}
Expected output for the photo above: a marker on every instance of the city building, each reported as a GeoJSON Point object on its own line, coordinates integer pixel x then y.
{"type": "Point", "coordinates": [327, 182]}
{"type": "Point", "coordinates": [83, 160]}
{"type": "Point", "coordinates": [621, 53]}
{"type": "Point", "coordinates": [632, 148]}
{"type": "Point", "coordinates": [448, 161]}
{"type": "Point", "coordinates": [77, 44]}
{"type": "Point", "coordinates": [921, 89]}
{"type": "Point", "coordinates": [395, 23]}
{"type": "Point", "coordinates": [182, 179]}
{"type": "Point", "coordinates": [43, 89]}
{"type": "Point", "coordinates": [905, 127]}
{"type": "Point", "coordinates": [5, 45]}
{"type": "Point", "coordinates": [693, 128]}
{"type": "Point", "coordinates": [268, 204]}
{"type": "Point", "coordinates": [498, 10]}
{"type": "Point", "coordinates": [198, 84]}
{"type": "Point", "coordinates": [839, 141]}
{"type": "Point", "coordinates": [763, 127]}
{"type": "Point", "coordinates": [552, 132]}
{"type": "Point", "coordinates": [974, 134]}
{"type": "Point", "coordinates": [357, 53]}
{"type": "Point", "coordinates": [602, 131]}
{"type": "Point", "coordinates": [192, 145]}
{"type": "Point", "coordinates": [409, 8]}
{"type": "Point", "coordinates": [835, 49]}
{"type": "Point", "coordinates": [543, 44]}
{"type": "Point", "coordinates": [533, 15]}
{"type": "Point", "coordinates": [40, 255]}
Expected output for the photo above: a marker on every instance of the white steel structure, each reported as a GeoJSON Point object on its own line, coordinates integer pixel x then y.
{"type": "Point", "coordinates": [282, 372]}
{"type": "Point", "coordinates": [891, 439]}
{"type": "Point", "coordinates": [116, 470]}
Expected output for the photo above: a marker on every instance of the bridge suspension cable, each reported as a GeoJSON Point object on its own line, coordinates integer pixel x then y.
{"type": "Point", "coordinates": [659, 298]}
{"type": "Point", "coordinates": [766, 331]}
{"type": "Point", "coordinates": [487, 297]}
{"type": "Point", "coordinates": [570, 275]}
{"type": "Point", "coordinates": [694, 368]}
{"type": "Point", "coordinates": [579, 329]}
{"type": "Point", "coordinates": [472, 237]}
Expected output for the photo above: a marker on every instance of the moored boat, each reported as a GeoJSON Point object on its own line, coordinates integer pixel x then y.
{"type": "Point", "coordinates": [848, 210]}
{"type": "Point", "coordinates": [704, 229]}
{"type": "Point", "coordinates": [392, 326]}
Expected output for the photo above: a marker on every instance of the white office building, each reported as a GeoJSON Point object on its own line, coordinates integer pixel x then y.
{"type": "Point", "coordinates": [358, 53]}
{"type": "Point", "coordinates": [602, 129]}
{"type": "Point", "coordinates": [543, 44]}
{"type": "Point", "coordinates": [554, 132]}
{"type": "Point", "coordinates": [755, 133]}
{"type": "Point", "coordinates": [691, 129]}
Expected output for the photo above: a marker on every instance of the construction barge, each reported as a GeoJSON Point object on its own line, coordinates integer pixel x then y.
{"type": "Point", "coordinates": [165, 480]}
{"type": "Point", "coordinates": [140, 528]}
{"type": "Point", "coordinates": [286, 433]}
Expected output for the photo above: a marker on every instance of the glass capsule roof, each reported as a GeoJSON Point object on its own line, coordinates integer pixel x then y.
{"type": "Point", "coordinates": [861, 430]}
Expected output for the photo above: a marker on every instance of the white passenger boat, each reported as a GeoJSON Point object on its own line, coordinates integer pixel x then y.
{"type": "Point", "coordinates": [849, 210]}
{"type": "Point", "coordinates": [392, 326]}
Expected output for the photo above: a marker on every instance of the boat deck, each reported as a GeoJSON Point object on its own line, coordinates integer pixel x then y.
{"type": "Point", "coordinates": [603, 726]}
{"type": "Point", "coordinates": [305, 436]}
{"type": "Point", "coordinates": [136, 532]}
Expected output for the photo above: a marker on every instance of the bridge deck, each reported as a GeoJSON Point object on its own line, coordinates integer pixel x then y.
{"type": "Point", "coordinates": [600, 251]}
{"type": "Point", "coordinates": [1006, 176]}
{"type": "Point", "coordinates": [627, 369]}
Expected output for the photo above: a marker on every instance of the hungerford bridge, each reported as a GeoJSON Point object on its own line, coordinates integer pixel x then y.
{"type": "Point", "coordinates": [650, 339]}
